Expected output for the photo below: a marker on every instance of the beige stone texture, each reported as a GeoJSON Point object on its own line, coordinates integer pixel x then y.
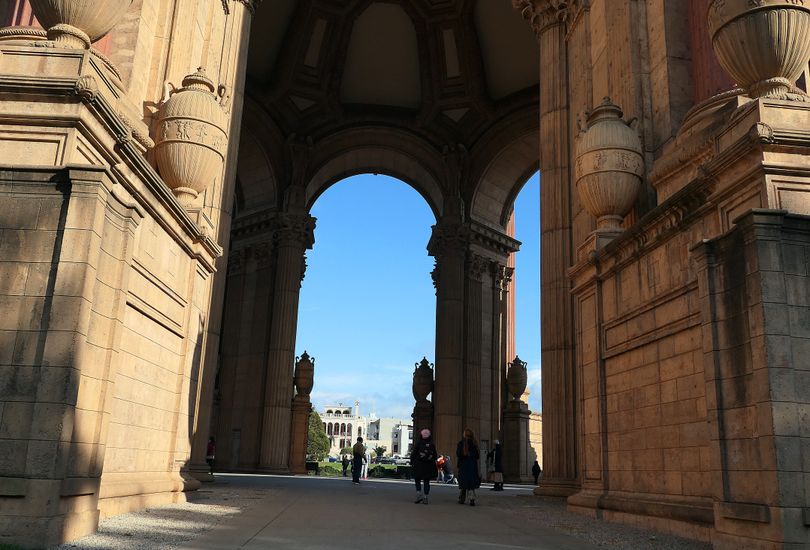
{"type": "Point", "coordinates": [674, 346]}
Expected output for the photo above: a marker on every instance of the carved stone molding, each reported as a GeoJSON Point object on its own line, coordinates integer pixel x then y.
{"type": "Point", "coordinates": [86, 87]}
{"type": "Point", "coordinates": [434, 275]}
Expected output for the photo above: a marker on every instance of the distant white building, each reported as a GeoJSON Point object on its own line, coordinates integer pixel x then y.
{"type": "Point", "coordinates": [395, 434]}
{"type": "Point", "coordinates": [343, 425]}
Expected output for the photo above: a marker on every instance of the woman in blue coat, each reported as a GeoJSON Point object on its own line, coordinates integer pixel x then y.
{"type": "Point", "coordinates": [469, 479]}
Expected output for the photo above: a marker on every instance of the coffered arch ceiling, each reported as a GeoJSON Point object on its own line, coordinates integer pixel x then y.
{"type": "Point", "coordinates": [444, 71]}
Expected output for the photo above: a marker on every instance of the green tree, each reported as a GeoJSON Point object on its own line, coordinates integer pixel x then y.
{"type": "Point", "coordinates": [317, 441]}
{"type": "Point", "coordinates": [379, 451]}
{"type": "Point", "coordinates": [346, 451]}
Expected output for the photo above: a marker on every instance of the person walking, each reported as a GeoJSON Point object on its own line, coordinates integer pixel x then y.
{"type": "Point", "coordinates": [345, 463]}
{"type": "Point", "coordinates": [423, 461]}
{"type": "Point", "coordinates": [536, 471]}
{"type": "Point", "coordinates": [359, 454]}
{"type": "Point", "coordinates": [210, 454]}
{"type": "Point", "coordinates": [469, 479]}
{"type": "Point", "coordinates": [497, 466]}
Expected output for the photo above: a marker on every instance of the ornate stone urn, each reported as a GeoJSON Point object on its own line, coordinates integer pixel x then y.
{"type": "Point", "coordinates": [191, 140]}
{"type": "Point", "coordinates": [78, 23]}
{"type": "Point", "coordinates": [422, 380]}
{"type": "Point", "coordinates": [763, 44]}
{"type": "Point", "coordinates": [304, 377]}
{"type": "Point", "coordinates": [609, 165]}
{"type": "Point", "coordinates": [516, 378]}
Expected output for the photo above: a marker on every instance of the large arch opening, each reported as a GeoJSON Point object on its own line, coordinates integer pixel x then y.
{"type": "Point", "coordinates": [367, 306]}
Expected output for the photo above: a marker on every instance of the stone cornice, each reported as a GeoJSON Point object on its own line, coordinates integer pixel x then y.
{"type": "Point", "coordinates": [457, 238]}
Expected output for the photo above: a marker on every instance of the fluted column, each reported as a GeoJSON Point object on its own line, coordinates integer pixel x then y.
{"type": "Point", "coordinates": [501, 278]}
{"type": "Point", "coordinates": [448, 247]}
{"type": "Point", "coordinates": [293, 237]}
{"type": "Point", "coordinates": [476, 267]}
{"type": "Point", "coordinates": [560, 461]}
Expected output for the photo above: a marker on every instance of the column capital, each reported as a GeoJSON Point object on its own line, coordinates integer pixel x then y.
{"type": "Point", "coordinates": [295, 230]}
{"type": "Point", "coordinates": [449, 239]}
{"type": "Point", "coordinates": [501, 276]}
{"type": "Point", "coordinates": [476, 266]}
{"type": "Point", "coordinates": [544, 14]}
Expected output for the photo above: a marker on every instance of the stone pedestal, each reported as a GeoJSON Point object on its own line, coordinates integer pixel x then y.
{"type": "Point", "coordinates": [423, 417]}
{"type": "Point", "coordinates": [299, 431]}
{"type": "Point", "coordinates": [516, 446]}
{"type": "Point", "coordinates": [105, 287]}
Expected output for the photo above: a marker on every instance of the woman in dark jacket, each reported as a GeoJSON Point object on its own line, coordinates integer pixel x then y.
{"type": "Point", "coordinates": [423, 462]}
{"type": "Point", "coordinates": [469, 478]}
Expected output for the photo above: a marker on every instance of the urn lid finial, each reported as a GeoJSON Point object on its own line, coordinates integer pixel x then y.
{"type": "Point", "coordinates": [199, 81]}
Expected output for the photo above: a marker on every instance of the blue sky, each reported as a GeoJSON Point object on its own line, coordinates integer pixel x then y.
{"type": "Point", "coordinates": [367, 310]}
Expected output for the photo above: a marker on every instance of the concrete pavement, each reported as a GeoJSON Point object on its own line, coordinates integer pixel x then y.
{"type": "Point", "coordinates": [332, 513]}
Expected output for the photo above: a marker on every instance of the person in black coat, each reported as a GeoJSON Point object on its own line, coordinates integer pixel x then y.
{"type": "Point", "coordinates": [469, 479]}
{"type": "Point", "coordinates": [536, 471]}
{"type": "Point", "coordinates": [423, 462]}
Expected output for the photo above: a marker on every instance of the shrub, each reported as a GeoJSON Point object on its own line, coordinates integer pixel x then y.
{"type": "Point", "coordinates": [328, 470]}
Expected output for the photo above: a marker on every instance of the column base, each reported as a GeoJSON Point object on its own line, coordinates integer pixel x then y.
{"type": "Point", "coordinates": [199, 471]}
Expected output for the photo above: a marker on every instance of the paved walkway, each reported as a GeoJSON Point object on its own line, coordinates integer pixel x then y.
{"type": "Point", "coordinates": [332, 513]}
{"type": "Point", "coordinates": [302, 513]}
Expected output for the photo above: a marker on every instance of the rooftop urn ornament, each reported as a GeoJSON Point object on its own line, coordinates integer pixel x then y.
{"type": "Point", "coordinates": [422, 380]}
{"type": "Point", "coordinates": [763, 44]}
{"type": "Point", "coordinates": [517, 378]}
{"type": "Point", "coordinates": [304, 377]}
{"type": "Point", "coordinates": [609, 165]}
{"type": "Point", "coordinates": [191, 140]}
{"type": "Point", "coordinates": [78, 23]}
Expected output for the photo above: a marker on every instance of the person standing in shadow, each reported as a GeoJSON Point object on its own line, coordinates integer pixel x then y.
{"type": "Point", "coordinates": [536, 471]}
{"type": "Point", "coordinates": [469, 478]}
{"type": "Point", "coordinates": [345, 463]}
